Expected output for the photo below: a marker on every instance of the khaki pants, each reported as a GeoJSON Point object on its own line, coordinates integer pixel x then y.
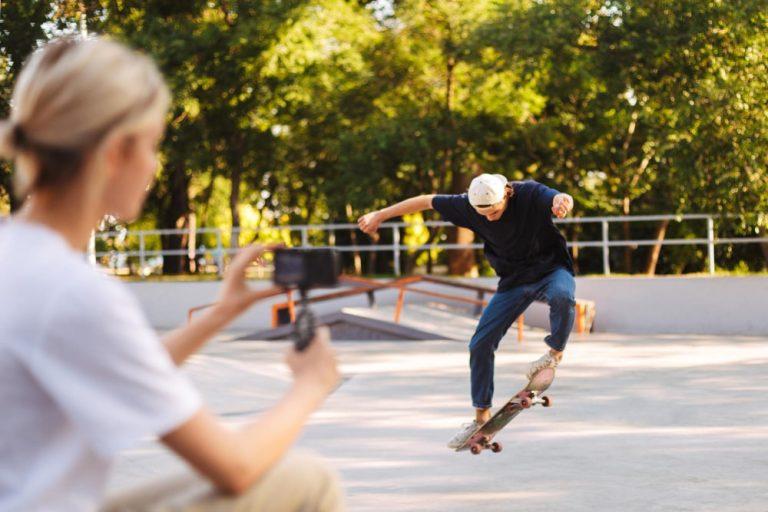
{"type": "Point", "coordinates": [301, 482]}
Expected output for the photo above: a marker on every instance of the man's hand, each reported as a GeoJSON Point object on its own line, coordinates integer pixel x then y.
{"type": "Point", "coordinates": [562, 204]}
{"type": "Point", "coordinates": [369, 223]}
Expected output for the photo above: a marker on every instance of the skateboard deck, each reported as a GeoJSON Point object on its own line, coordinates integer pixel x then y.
{"type": "Point", "coordinates": [527, 397]}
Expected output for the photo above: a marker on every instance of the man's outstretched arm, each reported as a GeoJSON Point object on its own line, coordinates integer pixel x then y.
{"type": "Point", "coordinates": [370, 222]}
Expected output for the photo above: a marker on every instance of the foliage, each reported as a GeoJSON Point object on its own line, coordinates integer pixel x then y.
{"type": "Point", "coordinates": [310, 112]}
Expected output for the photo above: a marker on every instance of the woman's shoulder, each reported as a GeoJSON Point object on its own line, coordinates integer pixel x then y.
{"type": "Point", "coordinates": [45, 275]}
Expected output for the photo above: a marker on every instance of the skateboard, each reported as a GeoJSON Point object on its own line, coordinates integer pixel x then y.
{"type": "Point", "coordinates": [527, 397]}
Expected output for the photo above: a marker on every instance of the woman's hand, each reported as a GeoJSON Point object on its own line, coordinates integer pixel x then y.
{"type": "Point", "coordinates": [315, 368]}
{"type": "Point", "coordinates": [235, 295]}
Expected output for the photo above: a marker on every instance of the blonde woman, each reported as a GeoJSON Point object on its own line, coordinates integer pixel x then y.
{"type": "Point", "coordinates": [82, 375]}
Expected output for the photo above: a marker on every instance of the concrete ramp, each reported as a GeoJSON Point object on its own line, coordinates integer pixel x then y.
{"type": "Point", "coordinates": [439, 320]}
{"type": "Point", "coordinates": [417, 322]}
{"type": "Point", "coordinates": [347, 324]}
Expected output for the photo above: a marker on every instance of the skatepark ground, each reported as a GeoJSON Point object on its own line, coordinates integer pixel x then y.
{"type": "Point", "coordinates": [638, 423]}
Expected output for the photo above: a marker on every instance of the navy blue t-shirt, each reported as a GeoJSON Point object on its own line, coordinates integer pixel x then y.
{"type": "Point", "coordinates": [522, 246]}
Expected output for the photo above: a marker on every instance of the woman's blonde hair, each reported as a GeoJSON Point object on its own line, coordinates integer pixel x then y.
{"type": "Point", "coordinates": [69, 96]}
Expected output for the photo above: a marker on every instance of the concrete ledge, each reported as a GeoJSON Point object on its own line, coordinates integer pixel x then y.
{"type": "Point", "coordinates": [634, 305]}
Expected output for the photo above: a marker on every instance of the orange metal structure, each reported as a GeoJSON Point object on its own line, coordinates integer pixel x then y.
{"type": "Point", "coordinates": [585, 309]}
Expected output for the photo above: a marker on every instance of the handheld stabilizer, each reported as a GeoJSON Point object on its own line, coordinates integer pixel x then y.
{"type": "Point", "coordinates": [303, 269]}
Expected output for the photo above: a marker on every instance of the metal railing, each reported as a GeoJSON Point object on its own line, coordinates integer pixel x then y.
{"type": "Point", "coordinates": [396, 247]}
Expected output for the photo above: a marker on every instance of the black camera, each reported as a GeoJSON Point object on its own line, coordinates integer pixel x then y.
{"type": "Point", "coordinates": [305, 269]}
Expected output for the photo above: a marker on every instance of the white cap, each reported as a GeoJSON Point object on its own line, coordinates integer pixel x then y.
{"type": "Point", "coordinates": [487, 189]}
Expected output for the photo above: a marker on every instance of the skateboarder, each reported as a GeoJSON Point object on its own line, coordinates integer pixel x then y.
{"type": "Point", "coordinates": [529, 254]}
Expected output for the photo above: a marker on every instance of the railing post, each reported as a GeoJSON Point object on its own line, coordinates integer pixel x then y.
{"type": "Point", "coordinates": [142, 256]}
{"type": "Point", "coordinates": [192, 242]}
{"type": "Point", "coordinates": [219, 253]}
{"type": "Point", "coordinates": [399, 304]}
{"type": "Point", "coordinates": [606, 250]}
{"type": "Point", "coordinates": [396, 248]}
{"type": "Point", "coordinates": [304, 237]}
{"type": "Point", "coordinates": [711, 244]}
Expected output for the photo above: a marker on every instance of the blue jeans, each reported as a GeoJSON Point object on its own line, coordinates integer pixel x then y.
{"type": "Point", "coordinates": [556, 289]}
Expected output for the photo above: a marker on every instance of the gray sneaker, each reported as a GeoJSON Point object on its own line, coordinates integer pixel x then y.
{"type": "Point", "coordinates": [467, 430]}
{"type": "Point", "coordinates": [545, 361]}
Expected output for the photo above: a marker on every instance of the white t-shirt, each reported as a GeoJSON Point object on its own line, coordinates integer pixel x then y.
{"type": "Point", "coordinates": [82, 374]}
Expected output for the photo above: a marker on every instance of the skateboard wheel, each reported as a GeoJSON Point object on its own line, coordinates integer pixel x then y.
{"type": "Point", "coordinates": [525, 402]}
{"type": "Point", "coordinates": [522, 394]}
{"type": "Point", "coordinates": [547, 401]}
{"type": "Point", "coordinates": [510, 409]}
{"type": "Point", "coordinates": [475, 449]}
{"type": "Point", "coordinates": [496, 447]}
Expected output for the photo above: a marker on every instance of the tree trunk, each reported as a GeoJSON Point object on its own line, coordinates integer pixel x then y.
{"type": "Point", "coordinates": [372, 259]}
{"type": "Point", "coordinates": [234, 202]}
{"type": "Point", "coordinates": [460, 261]}
{"type": "Point", "coordinates": [173, 215]}
{"type": "Point", "coordinates": [653, 258]}
{"type": "Point", "coordinates": [575, 248]}
{"type": "Point", "coordinates": [764, 247]}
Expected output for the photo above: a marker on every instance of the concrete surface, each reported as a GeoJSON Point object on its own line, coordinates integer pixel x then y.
{"type": "Point", "coordinates": [639, 423]}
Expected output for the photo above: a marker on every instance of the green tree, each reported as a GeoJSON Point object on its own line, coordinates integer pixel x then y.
{"type": "Point", "coordinates": [21, 31]}
{"type": "Point", "coordinates": [437, 115]}
{"type": "Point", "coordinates": [634, 94]}
{"type": "Point", "coordinates": [211, 54]}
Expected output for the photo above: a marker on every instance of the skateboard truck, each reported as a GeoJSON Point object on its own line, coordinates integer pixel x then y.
{"type": "Point", "coordinates": [304, 269]}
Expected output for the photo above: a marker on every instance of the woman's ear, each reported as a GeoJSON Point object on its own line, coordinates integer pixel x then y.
{"type": "Point", "coordinates": [508, 190]}
{"type": "Point", "coordinates": [113, 153]}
